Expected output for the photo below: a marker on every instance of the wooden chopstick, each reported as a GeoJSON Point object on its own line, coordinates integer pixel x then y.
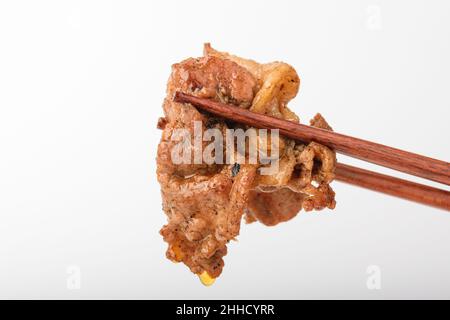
{"type": "Point", "coordinates": [348, 174]}
{"type": "Point", "coordinates": [393, 186]}
{"type": "Point", "coordinates": [411, 163]}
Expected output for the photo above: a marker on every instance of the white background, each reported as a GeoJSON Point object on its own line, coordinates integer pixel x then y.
{"type": "Point", "coordinates": [81, 87]}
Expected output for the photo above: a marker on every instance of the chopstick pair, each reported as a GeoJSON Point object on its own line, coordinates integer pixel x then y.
{"type": "Point", "coordinates": [411, 163]}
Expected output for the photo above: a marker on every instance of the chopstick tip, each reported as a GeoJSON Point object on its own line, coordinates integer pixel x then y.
{"type": "Point", "coordinates": [178, 97]}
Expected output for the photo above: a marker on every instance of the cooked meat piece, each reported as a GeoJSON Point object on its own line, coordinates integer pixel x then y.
{"type": "Point", "coordinates": [205, 202]}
